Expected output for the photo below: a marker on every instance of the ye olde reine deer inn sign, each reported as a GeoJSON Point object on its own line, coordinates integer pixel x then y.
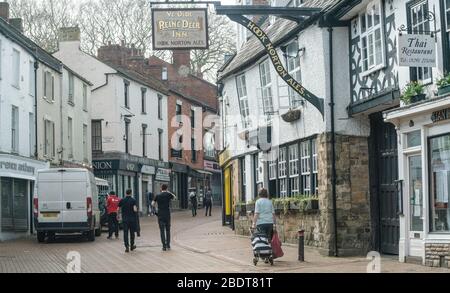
{"type": "Point", "coordinates": [184, 28]}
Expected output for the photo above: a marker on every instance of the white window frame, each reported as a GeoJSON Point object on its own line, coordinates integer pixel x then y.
{"type": "Point", "coordinates": [305, 166]}
{"type": "Point", "coordinates": [49, 86]}
{"type": "Point", "coordinates": [315, 165]}
{"type": "Point", "coordinates": [15, 129]}
{"type": "Point", "coordinates": [16, 69]}
{"type": "Point", "coordinates": [49, 136]}
{"type": "Point", "coordinates": [424, 22]}
{"type": "Point", "coordinates": [370, 32]}
{"type": "Point", "coordinates": [31, 82]}
{"type": "Point", "coordinates": [241, 88]}
{"type": "Point", "coordinates": [294, 69]}
{"type": "Point", "coordinates": [266, 88]}
{"type": "Point", "coordinates": [71, 97]}
{"type": "Point", "coordinates": [282, 171]}
{"type": "Point", "coordinates": [293, 169]}
{"type": "Point", "coordinates": [273, 165]}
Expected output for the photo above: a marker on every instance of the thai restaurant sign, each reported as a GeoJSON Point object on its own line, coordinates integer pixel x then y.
{"type": "Point", "coordinates": [185, 28]}
{"type": "Point", "coordinates": [416, 50]}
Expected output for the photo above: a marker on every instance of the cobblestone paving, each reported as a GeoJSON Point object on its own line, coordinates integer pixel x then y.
{"type": "Point", "coordinates": [200, 244]}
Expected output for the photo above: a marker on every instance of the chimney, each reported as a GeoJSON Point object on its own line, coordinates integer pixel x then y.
{"type": "Point", "coordinates": [4, 10]}
{"type": "Point", "coordinates": [69, 34]}
{"type": "Point", "coordinates": [17, 23]}
{"type": "Point", "coordinates": [181, 57]}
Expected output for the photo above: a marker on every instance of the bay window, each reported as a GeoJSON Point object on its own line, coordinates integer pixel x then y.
{"type": "Point", "coordinates": [439, 148]}
{"type": "Point", "coordinates": [372, 38]}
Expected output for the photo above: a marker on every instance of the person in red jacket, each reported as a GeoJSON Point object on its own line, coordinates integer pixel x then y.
{"type": "Point", "coordinates": [112, 207]}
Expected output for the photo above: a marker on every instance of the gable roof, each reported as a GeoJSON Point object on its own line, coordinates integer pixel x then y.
{"type": "Point", "coordinates": [281, 31]}
{"type": "Point", "coordinates": [149, 81]}
{"type": "Point", "coordinates": [31, 47]}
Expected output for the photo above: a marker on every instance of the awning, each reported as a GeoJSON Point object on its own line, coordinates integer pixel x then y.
{"type": "Point", "coordinates": [204, 172]}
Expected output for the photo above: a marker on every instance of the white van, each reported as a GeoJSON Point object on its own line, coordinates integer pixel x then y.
{"type": "Point", "coordinates": [66, 201]}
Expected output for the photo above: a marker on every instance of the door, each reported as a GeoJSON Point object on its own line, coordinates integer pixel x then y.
{"type": "Point", "coordinates": [75, 190]}
{"type": "Point", "coordinates": [415, 191]}
{"type": "Point", "coordinates": [384, 173]}
{"type": "Point", "coordinates": [14, 204]}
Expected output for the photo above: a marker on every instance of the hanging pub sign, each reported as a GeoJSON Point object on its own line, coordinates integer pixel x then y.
{"type": "Point", "coordinates": [416, 50]}
{"type": "Point", "coordinates": [179, 28]}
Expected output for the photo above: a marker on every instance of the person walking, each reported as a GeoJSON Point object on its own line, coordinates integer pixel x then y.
{"type": "Point", "coordinates": [264, 219]}
{"type": "Point", "coordinates": [112, 208]}
{"type": "Point", "coordinates": [194, 202]}
{"type": "Point", "coordinates": [150, 210]}
{"type": "Point", "coordinates": [129, 219]}
{"type": "Point", "coordinates": [163, 201]}
{"type": "Point", "coordinates": [208, 202]}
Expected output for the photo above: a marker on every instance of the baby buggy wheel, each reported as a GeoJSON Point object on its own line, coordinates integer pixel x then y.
{"type": "Point", "coordinates": [255, 261]}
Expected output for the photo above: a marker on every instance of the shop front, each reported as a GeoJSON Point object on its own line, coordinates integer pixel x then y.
{"type": "Point", "coordinates": [17, 176]}
{"type": "Point", "coordinates": [214, 180]}
{"type": "Point", "coordinates": [180, 184]}
{"type": "Point", "coordinates": [162, 177]}
{"type": "Point", "coordinates": [424, 170]}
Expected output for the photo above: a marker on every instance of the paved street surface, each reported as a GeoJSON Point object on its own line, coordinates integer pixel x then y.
{"type": "Point", "coordinates": [199, 244]}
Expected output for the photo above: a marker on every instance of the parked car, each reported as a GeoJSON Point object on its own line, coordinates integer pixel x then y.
{"type": "Point", "coordinates": [66, 201]}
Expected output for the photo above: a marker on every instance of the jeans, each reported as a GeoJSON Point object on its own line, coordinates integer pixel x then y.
{"type": "Point", "coordinates": [208, 206]}
{"type": "Point", "coordinates": [164, 228]}
{"type": "Point", "coordinates": [113, 225]}
{"type": "Point", "coordinates": [266, 229]}
{"type": "Point", "coordinates": [129, 228]}
{"type": "Point", "coordinates": [194, 209]}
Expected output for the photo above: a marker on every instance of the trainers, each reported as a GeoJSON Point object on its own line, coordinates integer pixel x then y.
{"type": "Point", "coordinates": [168, 247]}
{"type": "Point", "coordinates": [127, 249]}
{"type": "Point", "coordinates": [109, 237]}
{"type": "Point", "coordinates": [164, 249]}
{"type": "Point", "coordinates": [133, 247]}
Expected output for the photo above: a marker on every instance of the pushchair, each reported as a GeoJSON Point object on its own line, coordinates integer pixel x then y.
{"type": "Point", "coordinates": [262, 248]}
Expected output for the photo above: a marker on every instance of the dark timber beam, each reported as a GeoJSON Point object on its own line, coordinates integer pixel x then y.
{"type": "Point", "coordinates": [295, 12]}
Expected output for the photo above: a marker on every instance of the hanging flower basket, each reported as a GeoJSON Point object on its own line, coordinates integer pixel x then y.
{"type": "Point", "coordinates": [291, 115]}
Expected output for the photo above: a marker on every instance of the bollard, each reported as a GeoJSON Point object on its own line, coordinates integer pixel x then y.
{"type": "Point", "coordinates": [301, 245]}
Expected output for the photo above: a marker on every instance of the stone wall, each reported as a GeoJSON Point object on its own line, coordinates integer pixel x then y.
{"type": "Point", "coordinates": [437, 255]}
{"type": "Point", "coordinates": [288, 226]}
{"type": "Point", "coordinates": [352, 192]}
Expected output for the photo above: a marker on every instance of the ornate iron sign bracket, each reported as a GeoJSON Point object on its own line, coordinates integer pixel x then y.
{"type": "Point", "coordinates": [276, 61]}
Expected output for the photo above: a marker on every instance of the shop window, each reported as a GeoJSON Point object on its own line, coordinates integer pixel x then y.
{"type": "Point", "coordinates": [439, 183]}
{"type": "Point", "coordinates": [305, 160]}
{"type": "Point", "coordinates": [415, 192]}
{"type": "Point", "coordinates": [372, 38]}
{"type": "Point", "coordinates": [282, 172]}
{"type": "Point", "coordinates": [243, 179]}
{"type": "Point", "coordinates": [419, 23]}
{"type": "Point", "coordinates": [413, 139]}
{"type": "Point", "coordinates": [293, 170]}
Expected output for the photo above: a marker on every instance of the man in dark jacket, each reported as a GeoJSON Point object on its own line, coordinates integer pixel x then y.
{"type": "Point", "coordinates": [208, 202]}
{"type": "Point", "coordinates": [129, 219]}
{"type": "Point", "coordinates": [194, 202]}
{"type": "Point", "coordinates": [163, 201]}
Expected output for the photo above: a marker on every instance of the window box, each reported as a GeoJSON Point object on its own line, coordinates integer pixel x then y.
{"type": "Point", "coordinates": [418, 98]}
{"type": "Point", "coordinates": [250, 207]}
{"type": "Point", "coordinates": [291, 115]}
{"type": "Point", "coordinates": [444, 90]}
{"type": "Point", "coordinates": [312, 204]}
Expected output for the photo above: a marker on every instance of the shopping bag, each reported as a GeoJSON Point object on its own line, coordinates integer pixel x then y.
{"type": "Point", "coordinates": [276, 246]}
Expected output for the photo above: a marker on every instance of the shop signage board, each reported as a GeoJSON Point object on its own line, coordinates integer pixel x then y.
{"type": "Point", "coordinates": [440, 115]}
{"type": "Point", "coordinates": [179, 28]}
{"type": "Point", "coordinates": [162, 174]}
{"type": "Point", "coordinates": [151, 170]}
{"type": "Point", "coordinates": [211, 166]}
{"type": "Point", "coordinates": [416, 50]}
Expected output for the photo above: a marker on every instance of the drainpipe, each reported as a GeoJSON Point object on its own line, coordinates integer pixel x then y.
{"type": "Point", "coordinates": [36, 67]}
{"type": "Point", "coordinates": [333, 144]}
{"type": "Point", "coordinates": [61, 92]}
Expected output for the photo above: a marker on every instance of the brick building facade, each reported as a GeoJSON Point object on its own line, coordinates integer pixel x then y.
{"type": "Point", "coordinates": [191, 99]}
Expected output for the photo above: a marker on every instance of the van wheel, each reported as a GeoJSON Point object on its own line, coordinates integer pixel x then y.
{"type": "Point", "coordinates": [91, 235]}
{"type": "Point", "coordinates": [51, 237]}
{"type": "Point", "coordinates": [98, 232]}
{"type": "Point", "coordinates": [40, 237]}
